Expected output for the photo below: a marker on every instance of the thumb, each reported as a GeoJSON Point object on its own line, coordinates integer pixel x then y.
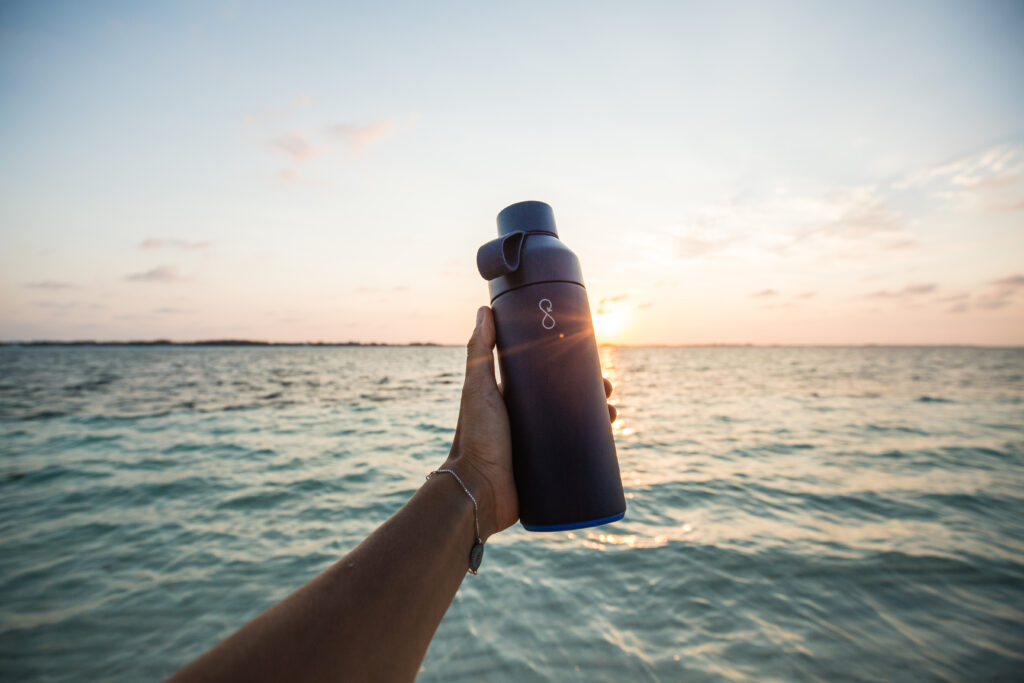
{"type": "Point", "coordinates": [479, 350]}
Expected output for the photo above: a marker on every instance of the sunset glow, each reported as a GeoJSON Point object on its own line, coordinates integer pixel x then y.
{"type": "Point", "coordinates": [726, 173]}
{"type": "Point", "coordinates": [611, 326]}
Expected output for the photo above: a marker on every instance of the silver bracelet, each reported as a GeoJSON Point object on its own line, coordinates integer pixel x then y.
{"type": "Point", "coordinates": [476, 554]}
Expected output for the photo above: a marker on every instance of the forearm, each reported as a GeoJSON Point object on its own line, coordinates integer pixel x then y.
{"type": "Point", "coordinates": [372, 614]}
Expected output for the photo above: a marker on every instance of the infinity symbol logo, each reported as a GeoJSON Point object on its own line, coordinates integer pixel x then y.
{"type": "Point", "coordinates": [548, 321]}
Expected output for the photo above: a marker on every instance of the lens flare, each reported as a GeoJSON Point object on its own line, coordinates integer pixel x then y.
{"type": "Point", "coordinates": [611, 326]}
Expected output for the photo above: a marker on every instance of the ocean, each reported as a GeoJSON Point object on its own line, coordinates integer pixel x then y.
{"type": "Point", "coordinates": [793, 513]}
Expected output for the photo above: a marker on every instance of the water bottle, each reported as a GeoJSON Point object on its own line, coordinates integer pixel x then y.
{"type": "Point", "coordinates": [566, 470]}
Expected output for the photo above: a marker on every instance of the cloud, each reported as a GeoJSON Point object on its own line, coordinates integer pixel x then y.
{"type": "Point", "coordinates": [859, 212]}
{"type": "Point", "coordinates": [171, 243]}
{"type": "Point", "coordinates": [765, 293]}
{"type": "Point", "coordinates": [907, 292]}
{"type": "Point", "coordinates": [297, 146]}
{"type": "Point", "coordinates": [991, 302]}
{"type": "Point", "coordinates": [604, 305]}
{"type": "Point", "coordinates": [1007, 206]}
{"type": "Point", "coordinates": [914, 290]}
{"type": "Point", "coordinates": [992, 167]}
{"type": "Point", "coordinates": [50, 284]}
{"type": "Point", "coordinates": [1000, 293]}
{"type": "Point", "coordinates": [58, 305]}
{"type": "Point", "coordinates": [785, 222]}
{"type": "Point", "coordinates": [713, 229]}
{"type": "Point", "coordinates": [989, 179]}
{"type": "Point", "coordinates": [898, 245]}
{"type": "Point", "coordinates": [60, 308]}
{"type": "Point", "coordinates": [689, 246]}
{"type": "Point", "coordinates": [997, 294]}
{"type": "Point", "coordinates": [1011, 281]}
{"type": "Point", "coordinates": [158, 274]}
{"type": "Point", "coordinates": [356, 137]}
{"type": "Point", "coordinates": [806, 295]}
{"type": "Point", "coordinates": [359, 136]}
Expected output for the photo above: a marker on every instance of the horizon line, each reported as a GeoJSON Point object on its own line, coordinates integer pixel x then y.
{"type": "Point", "coordinates": [258, 342]}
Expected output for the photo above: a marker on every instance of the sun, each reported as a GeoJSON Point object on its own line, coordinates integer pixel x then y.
{"type": "Point", "coordinates": [611, 325]}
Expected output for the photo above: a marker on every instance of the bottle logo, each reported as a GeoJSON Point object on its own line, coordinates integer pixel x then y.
{"type": "Point", "coordinates": [548, 321]}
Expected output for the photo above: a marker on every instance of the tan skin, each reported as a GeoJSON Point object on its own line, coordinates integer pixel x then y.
{"type": "Point", "coordinates": [371, 615]}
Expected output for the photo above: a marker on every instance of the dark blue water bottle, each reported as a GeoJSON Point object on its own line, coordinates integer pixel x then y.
{"type": "Point", "coordinates": [566, 470]}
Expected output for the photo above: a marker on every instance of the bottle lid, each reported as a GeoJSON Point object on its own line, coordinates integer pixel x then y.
{"type": "Point", "coordinates": [527, 251]}
{"type": "Point", "coordinates": [527, 217]}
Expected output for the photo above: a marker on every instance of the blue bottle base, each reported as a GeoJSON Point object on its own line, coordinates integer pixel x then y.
{"type": "Point", "coordinates": [576, 525]}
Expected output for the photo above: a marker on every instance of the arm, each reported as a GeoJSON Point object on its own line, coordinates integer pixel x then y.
{"type": "Point", "coordinates": [372, 614]}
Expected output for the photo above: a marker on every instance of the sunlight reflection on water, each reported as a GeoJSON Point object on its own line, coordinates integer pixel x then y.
{"type": "Point", "coordinates": [792, 513]}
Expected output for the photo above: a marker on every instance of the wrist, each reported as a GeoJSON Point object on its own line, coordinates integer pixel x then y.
{"type": "Point", "coordinates": [481, 489]}
{"type": "Point", "coordinates": [477, 549]}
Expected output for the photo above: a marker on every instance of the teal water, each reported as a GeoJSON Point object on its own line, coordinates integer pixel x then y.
{"type": "Point", "coordinates": [794, 513]}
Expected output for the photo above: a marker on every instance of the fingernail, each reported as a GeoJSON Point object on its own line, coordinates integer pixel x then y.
{"type": "Point", "coordinates": [479, 316]}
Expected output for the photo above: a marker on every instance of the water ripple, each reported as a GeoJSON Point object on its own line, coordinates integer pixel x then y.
{"type": "Point", "coordinates": [818, 514]}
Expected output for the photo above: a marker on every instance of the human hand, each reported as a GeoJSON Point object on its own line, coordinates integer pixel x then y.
{"type": "Point", "coordinates": [482, 450]}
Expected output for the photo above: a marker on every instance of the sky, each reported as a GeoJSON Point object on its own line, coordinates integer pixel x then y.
{"type": "Point", "coordinates": [766, 173]}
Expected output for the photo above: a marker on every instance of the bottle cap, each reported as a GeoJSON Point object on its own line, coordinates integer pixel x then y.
{"type": "Point", "coordinates": [527, 251]}
{"type": "Point", "coordinates": [527, 217]}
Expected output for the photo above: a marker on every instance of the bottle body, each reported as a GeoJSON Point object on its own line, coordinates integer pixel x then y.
{"type": "Point", "coordinates": [566, 470]}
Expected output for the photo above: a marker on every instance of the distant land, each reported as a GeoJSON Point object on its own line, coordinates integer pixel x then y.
{"type": "Point", "coordinates": [204, 342]}
{"type": "Point", "coordinates": [256, 342]}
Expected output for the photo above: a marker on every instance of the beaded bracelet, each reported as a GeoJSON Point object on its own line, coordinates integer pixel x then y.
{"type": "Point", "coordinates": [476, 554]}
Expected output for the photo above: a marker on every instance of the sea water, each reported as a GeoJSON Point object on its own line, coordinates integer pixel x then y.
{"type": "Point", "coordinates": [794, 513]}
